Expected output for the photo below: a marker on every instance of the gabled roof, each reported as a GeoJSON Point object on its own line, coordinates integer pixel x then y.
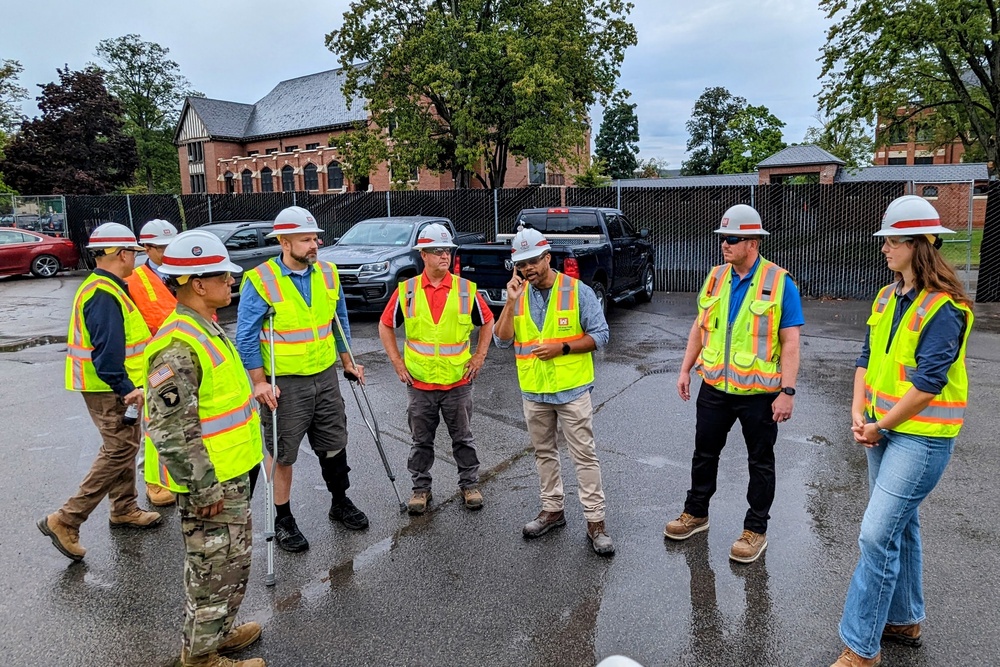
{"type": "Point", "coordinates": [689, 181]}
{"type": "Point", "coordinates": [921, 173]}
{"type": "Point", "coordinates": [800, 156]}
{"type": "Point", "coordinates": [311, 103]}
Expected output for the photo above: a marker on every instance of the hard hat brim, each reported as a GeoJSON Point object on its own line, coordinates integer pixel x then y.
{"type": "Point", "coordinates": [299, 230]}
{"type": "Point", "coordinates": [530, 253]}
{"type": "Point", "coordinates": [916, 231]}
{"type": "Point", "coordinates": [100, 245]}
{"type": "Point", "coordinates": [434, 244]}
{"type": "Point", "coordinates": [742, 232]}
{"type": "Point", "coordinates": [157, 240]}
{"type": "Point", "coordinates": [198, 270]}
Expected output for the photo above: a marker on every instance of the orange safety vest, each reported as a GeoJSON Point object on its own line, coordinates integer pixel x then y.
{"type": "Point", "coordinates": [154, 300]}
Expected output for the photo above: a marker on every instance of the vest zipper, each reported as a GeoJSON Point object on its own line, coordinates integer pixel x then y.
{"type": "Point", "coordinates": [729, 334]}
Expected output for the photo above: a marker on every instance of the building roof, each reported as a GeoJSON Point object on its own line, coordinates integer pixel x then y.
{"type": "Point", "coordinates": [921, 173]}
{"type": "Point", "coordinates": [311, 103]}
{"type": "Point", "coordinates": [800, 156]}
{"type": "Point", "coordinates": [689, 181]}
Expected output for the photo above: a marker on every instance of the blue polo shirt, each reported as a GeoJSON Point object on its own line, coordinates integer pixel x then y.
{"type": "Point", "coordinates": [791, 302]}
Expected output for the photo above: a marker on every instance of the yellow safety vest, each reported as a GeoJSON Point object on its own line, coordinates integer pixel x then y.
{"type": "Point", "coordinates": [81, 375]}
{"type": "Point", "coordinates": [744, 358]}
{"type": "Point", "coordinates": [437, 353]}
{"type": "Point", "coordinates": [303, 334]}
{"type": "Point", "coordinates": [230, 426]}
{"type": "Point", "coordinates": [562, 325]}
{"type": "Point", "coordinates": [888, 375]}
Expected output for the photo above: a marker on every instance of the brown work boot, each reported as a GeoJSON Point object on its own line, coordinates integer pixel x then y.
{"type": "Point", "coordinates": [599, 539]}
{"type": "Point", "coordinates": [749, 547]}
{"type": "Point", "coordinates": [239, 638]}
{"type": "Point", "coordinates": [64, 538]}
{"type": "Point", "coordinates": [418, 503]}
{"type": "Point", "coordinates": [216, 660]}
{"type": "Point", "coordinates": [159, 496]}
{"type": "Point", "coordinates": [543, 523]}
{"type": "Point", "coordinates": [851, 659]}
{"type": "Point", "coordinates": [137, 518]}
{"type": "Point", "coordinates": [685, 526]}
{"type": "Point", "coordinates": [908, 635]}
{"type": "Point", "coordinates": [473, 498]}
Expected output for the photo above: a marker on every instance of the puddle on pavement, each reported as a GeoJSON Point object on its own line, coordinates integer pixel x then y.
{"type": "Point", "coordinates": [24, 343]}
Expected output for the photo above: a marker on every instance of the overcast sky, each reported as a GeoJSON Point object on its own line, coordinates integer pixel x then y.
{"type": "Point", "coordinates": [765, 51]}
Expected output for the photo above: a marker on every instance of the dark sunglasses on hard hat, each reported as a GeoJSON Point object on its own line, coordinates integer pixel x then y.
{"type": "Point", "coordinates": [732, 240]}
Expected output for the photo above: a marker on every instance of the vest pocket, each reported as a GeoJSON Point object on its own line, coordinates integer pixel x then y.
{"type": "Point", "coordinates": [707, 318]}
{"type": "Point", "coordinates": [744, 359]}
{"type": "Point", "coordinates": [760, 308]}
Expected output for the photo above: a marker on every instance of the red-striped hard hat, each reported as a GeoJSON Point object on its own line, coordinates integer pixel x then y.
{"type": "Point", "coordinates": [294, 220]}
{"type": "Point", "coordinates": [741, 220]}
{"type": "Point", "coordinates": [196, 252]}
{"type": "Point", "coordinates": [911, 215]}
{"type": "Point", "coordinates": [157, 232]}
{"type": "Point", "coordinates": [112, 235]}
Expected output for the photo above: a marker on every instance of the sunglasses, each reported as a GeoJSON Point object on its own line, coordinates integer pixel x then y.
{"type": "Point", "coordinates": [438, 251]}
{"type": "Point", "coordinates": [896, 241]}
{"type": "Point", "coordinates": [225, 275]}
{"type": "Point", "coordinates": [525, 262]}
{"type": "Point", "coordinates": [732, 240]}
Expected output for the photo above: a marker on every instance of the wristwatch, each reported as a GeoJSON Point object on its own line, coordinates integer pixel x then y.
{"type": "Point", "coordinates": [788, 390]}
{"type": "Point", "coordinates": [565, 349]}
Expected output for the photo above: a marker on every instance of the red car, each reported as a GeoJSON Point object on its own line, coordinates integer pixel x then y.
{"type": "Point", "coordinates": [44, 256]}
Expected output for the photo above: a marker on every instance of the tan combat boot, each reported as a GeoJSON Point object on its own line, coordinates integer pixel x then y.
{"type": "Point", "coordinates": [851, 659]}
{"type": "Point", "coordinates": [473, 498]}
{"type": "Point", "coordinates": [418, 503]}
{"type": "Point", "coordinates": [239, 638]}
{"type": "Point", "coordinates": [216, 660]}
{"type": "Point", "coordinates": [137, 518]}
{"type": "Point", "coordinates": [64, 538]}
{"type": "Point", "coordinates": [159, 496]}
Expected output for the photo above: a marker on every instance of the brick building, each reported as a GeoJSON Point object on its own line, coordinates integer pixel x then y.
{"type": "Point", "coordinates": [280, 143]}
{"type": "Point", "coordinates": [913, 144]}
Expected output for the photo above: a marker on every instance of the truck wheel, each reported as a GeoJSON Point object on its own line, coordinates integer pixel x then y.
{"type": "Point", "coordinates": [602, 296]}
{"type": "Point", "coordinates": [645, 295]}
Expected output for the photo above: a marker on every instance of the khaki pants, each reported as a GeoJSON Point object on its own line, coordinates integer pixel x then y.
{"type": "Point", "coordinates": [112, 473]}
{"type": "Point", "coordinates": [575, 420]}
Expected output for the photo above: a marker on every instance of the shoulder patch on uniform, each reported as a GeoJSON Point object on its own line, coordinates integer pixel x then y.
{"type": "Point", "coordinates": [170, 396]}
{"type": "Point", "coordinates": [162, 373]}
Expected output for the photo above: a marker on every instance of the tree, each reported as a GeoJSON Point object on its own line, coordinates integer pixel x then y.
{"type": "Point", "coordinates": [594, 176]}
{"type": "Point", "coordinates": [709, 131]}
{"type": "Point", "coordinates": [848, 141]}
{"type": "Point", "coordinates": [651, 168]}
{"type": "Point", "coordinates": [938, 60]}
{"type": "Point", "coordinates": [152, 91]}
{"type": "Point", "coordinates": [465, 84]}
{"type": "Point", "coordinates": [77, 146]}
{"type": "Point", "coordinates": [754, 135]}
{"type": "Point", "coordinates": [11, 94]}
{"type": "Point", "coordinates": [361, 151]}
{"type": "Point", "coordinates": [618, 140]}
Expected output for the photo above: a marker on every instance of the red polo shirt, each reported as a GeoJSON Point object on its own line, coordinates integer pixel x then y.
{"type": "Point", "coordinates": [437, 296]}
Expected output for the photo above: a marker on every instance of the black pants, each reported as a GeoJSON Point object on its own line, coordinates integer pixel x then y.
{"type": "Point", "coordinates": [717, 412]}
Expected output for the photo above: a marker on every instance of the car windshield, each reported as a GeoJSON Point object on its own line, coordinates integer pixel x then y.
{"type": "Point", "coordinates": [378, 233]}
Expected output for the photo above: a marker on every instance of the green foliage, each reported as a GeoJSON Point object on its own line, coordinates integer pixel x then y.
{"type": "Point", "coordinates": [618, 140]}
{"type": "Point", "coordinates": [10, 95]}
{"type": "Point", "coordinates": [4, 188]}
{"type": "Point", "coordinates": [754, 135]}
{"type": "Point", "coordinates": [468, 83]}
{"type": "Point", "coordinates": [594, 176]}
{"type": "Point", "coordinates": [708, 131]}
{"type": "Point", "coordinates": [937, 59]}
{"type": "Point", "coordinates": [651, 168]}
{"type": "Point", "coordinates": [361, 151]}
{"type": "Point", "coordinates": [78, 145]}
{"type": "Point", "coordinates": [847, 140]}
{"type": "Point", "coordinates": [151, 90]}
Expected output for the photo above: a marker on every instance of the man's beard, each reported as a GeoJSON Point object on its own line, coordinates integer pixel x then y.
{"type": "Point", "coordinates": [306, 259]}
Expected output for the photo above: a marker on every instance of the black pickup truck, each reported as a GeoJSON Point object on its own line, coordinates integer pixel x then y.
{"type": "Point", "coordinates": [597, 245]}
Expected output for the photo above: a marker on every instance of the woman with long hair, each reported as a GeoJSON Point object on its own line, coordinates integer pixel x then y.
{"type": "Point", "coordinates": [910, 393]}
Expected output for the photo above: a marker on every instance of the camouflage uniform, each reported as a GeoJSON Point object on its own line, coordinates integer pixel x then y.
{"type": "Point", "coordinates": [217, 550]}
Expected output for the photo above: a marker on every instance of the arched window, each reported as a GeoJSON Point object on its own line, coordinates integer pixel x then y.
{"type": "Point", "coordinates": [230, 183]}
{"type": "Point", "coordinates": [288, 178]}
{"type": "Point", "coordinates": [310, 177]}
{"type": "Point", "coordinates": [266, 180]}
{"type": "Point", "coordinates": [247, 178]}
{"type": "Point", "coordinates": [334, 176]}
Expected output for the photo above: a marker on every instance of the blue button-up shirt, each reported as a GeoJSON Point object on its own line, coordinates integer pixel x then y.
{"type": "Point", "coordinates": [592, 321]}
{"type": "Point", "coordinates": [252, 313]}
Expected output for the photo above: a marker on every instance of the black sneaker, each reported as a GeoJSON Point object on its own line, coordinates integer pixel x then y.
{"type": "Point", "coordinates": [346, 513]}
{"type": "Point", "coordinates": [288, 535]}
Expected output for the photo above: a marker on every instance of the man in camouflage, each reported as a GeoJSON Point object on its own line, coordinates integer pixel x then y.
{"type": "Point", "coordinates": [187, 453]}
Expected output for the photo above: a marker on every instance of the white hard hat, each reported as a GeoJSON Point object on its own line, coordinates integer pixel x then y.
{"type": "Point", "coordinates": [294, 220]}
{"type": "Point", "coordinates": [157, 232]}
{"type": "Point", "coordinates": [910, 215]}
{"type": "Point", "coordinates": [434, 235]}
{"type": "Point", "coordinates": [112, 235]}
{"type": "Point", "coordinates": [528, 243]}
{"type": "Point", "coordinates": [741, 220]}
{"type": "Point", "coordinates": [196, 252]}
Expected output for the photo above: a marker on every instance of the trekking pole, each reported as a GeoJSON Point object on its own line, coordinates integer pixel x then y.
{"type": "Point", "coordinates": [269, 474]}
{"type": "Point", "coordinates": [373, 424]}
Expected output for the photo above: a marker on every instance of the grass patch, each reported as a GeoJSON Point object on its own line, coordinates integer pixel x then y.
{"type": "Point", "coordinates": [956, 248]}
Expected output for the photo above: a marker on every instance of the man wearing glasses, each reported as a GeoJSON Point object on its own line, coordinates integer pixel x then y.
{"type": "Point", "coordinates": [106, 339]}
{"type": "Point", "coordinates": [555, 323]}
{"type": "Point", "coordinates": [745, 345]}
{"type": "Point", "coordinates": [439, 311]}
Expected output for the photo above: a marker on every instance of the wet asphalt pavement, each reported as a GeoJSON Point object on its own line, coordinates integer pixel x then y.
{"type": "Point", "coordinates": [462, 588]}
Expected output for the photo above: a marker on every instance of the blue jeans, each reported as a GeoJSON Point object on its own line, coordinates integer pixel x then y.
{"type": "Point", "coordinates": [887, 586]}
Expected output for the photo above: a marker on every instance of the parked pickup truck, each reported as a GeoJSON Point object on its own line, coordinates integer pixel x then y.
{"type": "Point", "coordinates": [375, 255]}
{"type": "Point", "coordinates": [597, 245]}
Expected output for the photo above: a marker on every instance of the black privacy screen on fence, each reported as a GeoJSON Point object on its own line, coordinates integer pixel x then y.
{"type": "Point", "coordinates": [821, 233]}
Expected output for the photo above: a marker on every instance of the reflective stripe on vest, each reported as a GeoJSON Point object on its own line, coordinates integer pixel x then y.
{"type": "Point", "coordinates": [742, 357]}
{"type": "Point", "coordinates": [80, 372]}
{"type": "Point", "coordinates": [437, 352]}
{"type": "Point", "coordinates": [890, 373]}
{"type": "Point", "coordinates": [230, 425]}
{"type": "Point", "coordinates": [154, 300]}
{"type": "Point", "coordinates": [561, 325]}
